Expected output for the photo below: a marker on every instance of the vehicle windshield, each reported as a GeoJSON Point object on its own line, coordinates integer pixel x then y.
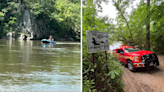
{"type": "Point", "coordinates": [128, 50]}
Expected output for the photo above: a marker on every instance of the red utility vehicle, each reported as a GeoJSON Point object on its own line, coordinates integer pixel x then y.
{"type": "Point", "coordinates": [135, 58]}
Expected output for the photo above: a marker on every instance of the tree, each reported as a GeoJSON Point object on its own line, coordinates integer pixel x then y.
{"type": "Point", "coordinates": [61, 18]}
{"type": "Point", "coordinates": [145, 23]}
{"type": "Point", "coordinates": [148, 26]}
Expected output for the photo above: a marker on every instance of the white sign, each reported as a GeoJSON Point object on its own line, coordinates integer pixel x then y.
{"type": "Point", "coordinates": [97, 41]}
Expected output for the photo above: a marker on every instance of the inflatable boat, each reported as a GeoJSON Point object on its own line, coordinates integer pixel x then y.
{"type": "Point", "coordinates": [47, 41]}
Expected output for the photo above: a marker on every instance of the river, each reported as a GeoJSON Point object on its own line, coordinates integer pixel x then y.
{"type": "Point", "coordinates": [33, 66]}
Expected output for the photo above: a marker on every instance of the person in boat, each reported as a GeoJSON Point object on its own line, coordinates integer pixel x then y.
{"type": "Point", "coordinates": [50, 38]}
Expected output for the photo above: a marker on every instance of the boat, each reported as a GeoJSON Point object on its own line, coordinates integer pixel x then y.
{"type": "Point", "coordinates": [47, 41]}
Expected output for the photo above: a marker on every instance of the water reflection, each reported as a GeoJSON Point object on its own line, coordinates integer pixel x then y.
{"type": "Point", "coordinates": [47, 45]}
{"type": "Point", "coordinates": [32, 66]}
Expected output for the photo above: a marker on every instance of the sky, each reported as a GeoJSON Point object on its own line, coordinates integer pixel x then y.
{"type": "Point", "coordinates": [110, 10]}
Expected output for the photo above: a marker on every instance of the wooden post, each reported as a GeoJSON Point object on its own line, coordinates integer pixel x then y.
{"type": "Point", "coordinates": [93, 73]}
{"type": "Point", "coordinates": [93, 58]}
{"type": "Point", "coordinates": [106, 60]}
{"type": "Point", "coordinates": [107, 66]}
{"type": "Point", "coordinates": [106, 54]}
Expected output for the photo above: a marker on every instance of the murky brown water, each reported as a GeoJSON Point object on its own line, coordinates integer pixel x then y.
{"type": "Point", "coordinates": [33, 66]}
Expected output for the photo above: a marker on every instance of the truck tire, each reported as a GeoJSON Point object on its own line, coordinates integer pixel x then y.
{"type": "Point", "coordinates": [157, 61]}
{"type": "Point", "coordinates": [131, 66]}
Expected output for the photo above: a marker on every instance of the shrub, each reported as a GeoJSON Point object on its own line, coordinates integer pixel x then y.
{"type": "Point", "coordinates": [101, 75]}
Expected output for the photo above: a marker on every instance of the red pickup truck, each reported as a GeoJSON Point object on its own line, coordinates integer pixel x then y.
{"type": "Point", "coordinates": [135, 58]}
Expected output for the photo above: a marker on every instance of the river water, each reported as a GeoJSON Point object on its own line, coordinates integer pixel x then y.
{"type": "Point", "coordinates": [33, 66]}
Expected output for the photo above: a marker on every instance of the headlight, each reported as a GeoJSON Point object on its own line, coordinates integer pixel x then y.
{"type": "Point", "coordinates": [143, 61]}
{"type": "Point", "coordinates": [136, 58]}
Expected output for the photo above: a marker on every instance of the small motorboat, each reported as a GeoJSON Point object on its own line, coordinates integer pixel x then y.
{"type": "Point", "coordinates": [47, 41]}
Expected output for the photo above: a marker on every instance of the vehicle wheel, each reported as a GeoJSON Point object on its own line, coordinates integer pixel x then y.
{"type": "Point", "coordinates": [157, 61]}
{"type": "Point", "coordinates": [131, 66]}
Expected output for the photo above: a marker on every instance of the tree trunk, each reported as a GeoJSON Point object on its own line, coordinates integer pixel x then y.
{"type": "Point", "coordinates": [148, 26]}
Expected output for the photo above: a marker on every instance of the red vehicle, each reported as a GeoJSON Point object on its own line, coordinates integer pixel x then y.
{"type": "Point", "coordinates": [135, 58]}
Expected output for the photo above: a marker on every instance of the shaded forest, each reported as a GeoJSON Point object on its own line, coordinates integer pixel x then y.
{"type": "Point", "coordinates": [143, 26]}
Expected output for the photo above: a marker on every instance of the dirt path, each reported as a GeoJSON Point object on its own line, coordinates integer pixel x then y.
{"type": "Point", "coordinates": [145, 80]}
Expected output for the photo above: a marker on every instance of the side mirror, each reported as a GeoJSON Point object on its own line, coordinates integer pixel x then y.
{"type": "Point", "coordinates": [122, 53]}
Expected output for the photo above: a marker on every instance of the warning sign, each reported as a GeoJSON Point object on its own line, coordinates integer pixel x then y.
{"type": "Point", "coordinates": [97, 41]}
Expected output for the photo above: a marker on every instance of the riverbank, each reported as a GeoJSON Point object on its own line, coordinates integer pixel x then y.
{"type": "Point", "coordinates": [41, 39]}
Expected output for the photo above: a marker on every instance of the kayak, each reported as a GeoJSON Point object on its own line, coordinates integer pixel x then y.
{"type": "Point", "coordinates": [47, 41]}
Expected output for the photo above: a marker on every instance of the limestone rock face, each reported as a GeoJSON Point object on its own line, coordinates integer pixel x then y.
{"type": "Point", "coordinates": [27, 24]}
{"type": "Point", "coordinates": [10, 35]}
{"type": "Point", "coordinates": [36, 29]}
{"type": "Point", "coordinates": [22, 37]}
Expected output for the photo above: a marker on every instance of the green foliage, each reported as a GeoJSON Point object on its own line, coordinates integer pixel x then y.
{"type": "Point", "coordinates": [87, 85]}
{"type": "Point", "coordinates": [13, 4]}
{"type": "Point", "coordinates": [134, 30]}
{"type": "Point", "coordinates": [37, 9]}
{"type": "Point", "coordinates": [131, 27]}
{"type": "Point", "coordinates": [60, 17]}
{"type": "Point", "coordinates": [1, 15]}
{"type": "Point", "coordinates": [12, 20]}
{"type": "Point", "coordinates": [102, 75]}
{"type": "Point", "coordinates": [157, 22]}
{"type": "Point", "coordinates": [7, 16]}
{"type": "Point", "coordinates": [63, 16]}
{"type": "Point", "coordinates": [93, 22]}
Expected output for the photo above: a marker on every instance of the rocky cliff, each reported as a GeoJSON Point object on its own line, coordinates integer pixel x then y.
{"type": "Point", "coordinates": [31, 27]}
